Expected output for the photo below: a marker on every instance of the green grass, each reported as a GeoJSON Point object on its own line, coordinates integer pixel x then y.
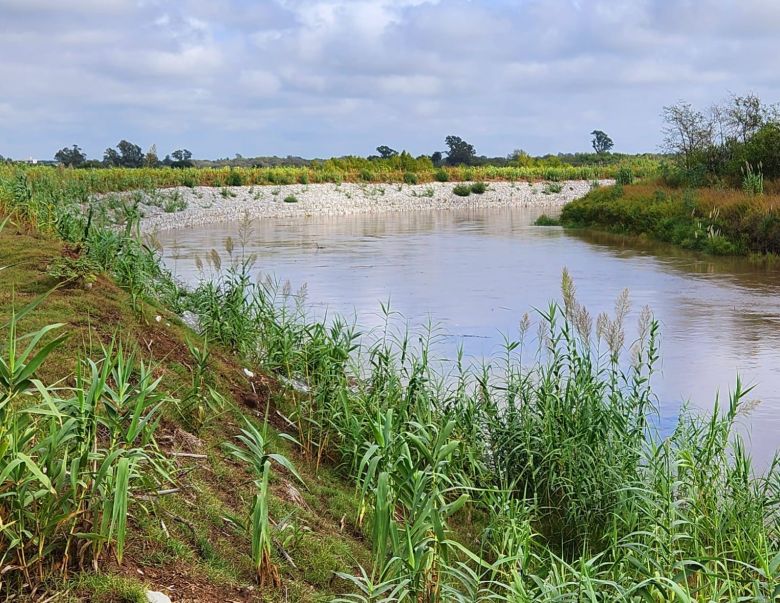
{"type": "Point", "coordinates": [719, 222]}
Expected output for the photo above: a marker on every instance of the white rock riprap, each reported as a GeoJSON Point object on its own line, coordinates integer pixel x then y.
{"type": "Point", "coordinates": [206, 205]}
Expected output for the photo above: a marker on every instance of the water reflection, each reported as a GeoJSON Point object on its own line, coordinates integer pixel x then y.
{"type": "Point", "coordinates": [477, 271]}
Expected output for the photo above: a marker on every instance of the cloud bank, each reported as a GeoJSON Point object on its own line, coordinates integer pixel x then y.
{"type": "Point", "coordinates": [332, 77]}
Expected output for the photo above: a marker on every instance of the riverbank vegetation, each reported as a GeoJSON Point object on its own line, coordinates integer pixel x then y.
{"type": "Point", "coordinates": [719, 195]}
{"type": "Point", "coordinates": [267, 449]}
{"type": "Point", "coordinates": [399, 169]}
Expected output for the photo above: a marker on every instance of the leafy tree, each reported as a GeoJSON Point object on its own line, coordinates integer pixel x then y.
{"type": "Point", "coordinates": [386, 152]}
{"type": "Point", "coordinates": [601, 142]}
{"type": "Point", "coordinates": [126, 154]}
{"type": "Point", "coordinates": [687, 132]}
{"type": "Point", "coordinates": [151, 159]}
{"type": "Point", "coordinates": [71, 157]}
{"type": "Point", "coordinates": [436, 158]}
{"type": "Point", "coordinates": [181, 155]}
{"type": "Point", "coordinates": [460, 152]}
{"type": "Point", "coordinates": [762, 151]}
{"type": "Point", "coordinates": [112, 158]}
{"type": "Point", "coordinates": [132, 155]}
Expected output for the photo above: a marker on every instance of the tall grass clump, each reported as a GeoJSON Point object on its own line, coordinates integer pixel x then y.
{"type": "Point", "coordinates": [72, 459]}
{"type": "Point", "coordinates": [752, 180]}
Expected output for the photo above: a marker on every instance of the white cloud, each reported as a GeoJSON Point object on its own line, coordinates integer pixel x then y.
{"type": "Point", "coordinates": [319, 77]}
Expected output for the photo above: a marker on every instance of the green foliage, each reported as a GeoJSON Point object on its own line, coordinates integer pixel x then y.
{"type": "Point", "coordinates": [80, 270]}
{"type": "Point", "coordinates": [462, 190]}
{"type": "Point", "coordinates": [723, 223]}
{"type": "Point", "coordinates": [291, 199]}
{"type": "Point", "coordinates": [253, 453]}
{"type": "Point", "coordinates": [624, 175]}
{"type": "Point", "coordinates": [71, 460]}
{"type": "Point", "coordinates": [441, 176]}
{"type": "Point", "coordinates": [752, 180]}
{"type": "Point", "coordinates": [552, 188]}
{"type": "Point", "coordinates": [545, 220]}
{"type": "Point", "coordinates": [410, 178]}
{"type": "Point", "coordinates": [478, 188]}
{"type": "Point", "coordinates": [234, 178]}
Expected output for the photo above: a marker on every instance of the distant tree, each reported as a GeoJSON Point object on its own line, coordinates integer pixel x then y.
{"type": "Point", "coordinates": [460, 152]}
{"type": "Point", "coordinates": [601, 142]}
{"type": "Point", "coordinates": [71, 157]}
{"type": "Point", "coordinates": [111, 158]}
{"type": "Point", "coordinates": [687, 132]}
{"type": "Point", "coordinates": [132, 155]}
{"type": "Point", "coordinates": [126, 154]}
{"type": "Point", "coordinates": [436, 158]}
{"type": "Point", "coordinates": [151, 159]}
{"type": "Point", "coordinates": [386, 152]}
{"type": "Point", "coordinates": [520, 158]}
{"type": "Point", "coordinates": [181, 155]}
{"type": "Point", "coordinates": [167, 161]}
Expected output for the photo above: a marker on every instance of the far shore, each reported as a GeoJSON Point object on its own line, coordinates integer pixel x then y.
{"type": "Point", "coordinates": [183, 207]}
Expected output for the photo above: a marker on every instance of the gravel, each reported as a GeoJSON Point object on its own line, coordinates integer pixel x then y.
{"type": "Point", "coordinates": [206, 205]}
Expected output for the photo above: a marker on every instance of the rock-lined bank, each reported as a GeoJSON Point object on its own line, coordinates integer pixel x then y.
{"type": "Point", "coordinates": [204, 205]}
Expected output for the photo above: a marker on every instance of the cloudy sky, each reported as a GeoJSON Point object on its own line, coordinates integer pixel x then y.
{"type": "Point", "coordinates": [333, 77]}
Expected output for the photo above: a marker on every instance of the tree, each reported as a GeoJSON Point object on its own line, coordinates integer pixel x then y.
{"type": "Point", "coordinates": [181, 155]}
{"type": "Point", "coordinates": [460, 152]}
{"type": "Point", "coordinates": [126, 154]}
{"type": "Point", "coordinates": [151, 159]}
{"type": "Point", "coordinates": [111, 158]}
{"type": "Point", "coordinates": [71, 157]}
{"type": "Point", "coordinates": [436, 158]}
{"type": "Point", "coordinates": [132, 155]}
{"type": "Point", "coordinates": [687, 132]}
{"type": "Point", "coordinates": [386, 152]}
{"type": "Point", "coordinates": [601, 142]}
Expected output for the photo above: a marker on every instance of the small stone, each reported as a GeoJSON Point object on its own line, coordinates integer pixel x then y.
{"type": "Point", "coordinates": [154, 596]}
{"type": "Point", "coordinates": [158, 318]}
{"type": "Point", "coordinates": [248, 373]}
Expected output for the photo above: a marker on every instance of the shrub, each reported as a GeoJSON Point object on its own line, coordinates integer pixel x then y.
{"type": "Point", "coordinates": [624, 175]}
{"type": "Point", "coordinates": [545, 220]}
{"type": "Point", "coordinates": [441, 176]}
{"type": "Point", "coordinates": [553, 188]}
{"type": "Point", "coordinates": [366, 175]}
{"type": "Point", "coordinates": [303, 178]}
{"type": "Point", "coordinates": [173, 203]}
{"type": "Point", "coordinates": [410, 178]}
{"type": "Point", "coordinates": [234, 178]}
{"type": "Point", "coordinates": [74, 269]}
{"type": "Point", "coordinates": [291, 199]}
{"type": "Point", "coordinates": [478, 188]}
{"type": "Point", "coordinates": [462, 190]}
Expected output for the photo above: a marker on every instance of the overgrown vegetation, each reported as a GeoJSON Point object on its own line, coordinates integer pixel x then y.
{"type": "Point", "coordinates": [539, 476]}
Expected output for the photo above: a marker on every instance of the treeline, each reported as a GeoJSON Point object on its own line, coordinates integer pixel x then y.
{"type": "Point", "coordinates": [733, 143]}
{"type": "Point", "coordinates": [458, 152]}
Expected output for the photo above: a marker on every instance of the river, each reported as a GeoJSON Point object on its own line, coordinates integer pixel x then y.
{"type": "Point", "coordinates": [475, 272]}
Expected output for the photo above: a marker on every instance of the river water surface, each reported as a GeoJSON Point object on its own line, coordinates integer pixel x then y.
{"type": "Point", "coordinates": [475, 272]}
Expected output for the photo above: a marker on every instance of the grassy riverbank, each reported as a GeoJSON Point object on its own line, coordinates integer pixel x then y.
{"type": "Point", "coordinates": [716, 221]}
{"type": "Point", "coordinates": [540, 478]}
{"type": "Point", "coordinates": [86, 181]}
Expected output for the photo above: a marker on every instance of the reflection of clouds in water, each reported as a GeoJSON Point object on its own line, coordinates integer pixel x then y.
{"type": "Point", "coordinates": [475, 272]}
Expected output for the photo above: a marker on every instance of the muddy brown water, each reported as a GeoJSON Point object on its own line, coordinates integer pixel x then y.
{"type": "Point", "coordinates": [475, 272]}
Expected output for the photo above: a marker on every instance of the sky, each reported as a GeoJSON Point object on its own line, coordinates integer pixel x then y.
{"type": "Point", "coordinates": [320, 78]}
